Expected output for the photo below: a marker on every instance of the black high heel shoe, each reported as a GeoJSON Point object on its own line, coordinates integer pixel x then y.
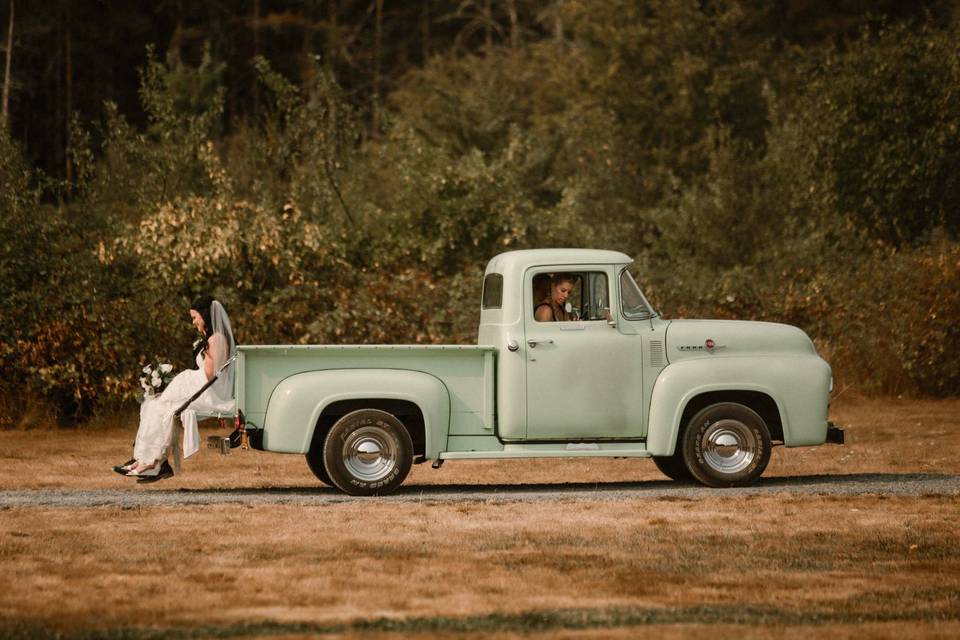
{"type": "Point", "coordinates": [122, 469]}
{"type": "Point", "coordinates": [166, 471]}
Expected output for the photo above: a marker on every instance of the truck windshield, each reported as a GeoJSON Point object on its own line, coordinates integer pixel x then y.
{"type": "Point", "coordinates": [634, 305]}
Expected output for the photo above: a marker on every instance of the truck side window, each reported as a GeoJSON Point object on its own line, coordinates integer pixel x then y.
{"type": "Point", "coordinates": [596, 305]}
{"type": "Point", "coordinates": [541, 288]}
{"type": "Point", "coordinates": [634, 305]}
{"type": "Point", "coordinates": [492, 297]}
{"type": "Point", "coordinates": [587, 299]}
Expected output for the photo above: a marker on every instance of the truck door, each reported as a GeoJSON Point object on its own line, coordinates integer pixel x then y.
{"type": "Point", "coordinates": [583, 375]}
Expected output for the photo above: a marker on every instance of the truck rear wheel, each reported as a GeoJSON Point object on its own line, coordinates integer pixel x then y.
{"type": "Point", "coordinates": [726, 445]}
{"type": "Point", "coordinates": [368, 452]}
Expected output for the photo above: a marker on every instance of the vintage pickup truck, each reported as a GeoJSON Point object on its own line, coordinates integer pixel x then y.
{"type": "Point", "coordinates": [705, 399]}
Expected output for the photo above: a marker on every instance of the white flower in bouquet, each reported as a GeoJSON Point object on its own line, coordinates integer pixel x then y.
{"type": "Point", "coordinates": [157, 375]}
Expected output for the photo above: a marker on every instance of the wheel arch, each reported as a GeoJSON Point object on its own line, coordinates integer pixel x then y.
{"type": "Point", "coordinates": [305, 402]}
{"type": "Point", "coordinates": [407, 412]}
{"type": "Point", "coordinates": [760, 402]}
{"type": "Point", "coordinates": [679, 393]}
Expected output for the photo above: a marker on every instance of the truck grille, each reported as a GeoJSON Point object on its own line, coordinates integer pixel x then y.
{"type": "Point", "coordinates": [656, 354]}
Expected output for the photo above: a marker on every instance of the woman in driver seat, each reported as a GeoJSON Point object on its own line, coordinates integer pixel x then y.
{"type": "Point", "coordinates": [552, 308]}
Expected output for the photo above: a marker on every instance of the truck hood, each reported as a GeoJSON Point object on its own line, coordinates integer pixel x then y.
{"type": "Point", "coordinates": [702, 338]}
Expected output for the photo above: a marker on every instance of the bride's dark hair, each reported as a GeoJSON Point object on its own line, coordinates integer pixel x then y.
{"type": "Point", "coordinates": [202, 306]}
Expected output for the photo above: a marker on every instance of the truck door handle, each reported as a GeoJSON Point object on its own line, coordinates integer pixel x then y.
{"type": "Point", "coordinates": [533, 342]}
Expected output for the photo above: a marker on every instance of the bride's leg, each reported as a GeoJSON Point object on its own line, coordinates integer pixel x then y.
{"type": "Point", "coordinates": [151, 443]}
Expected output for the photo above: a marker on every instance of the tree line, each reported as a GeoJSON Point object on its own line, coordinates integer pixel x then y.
{"type": "Point", "coordinates": [341, 171]}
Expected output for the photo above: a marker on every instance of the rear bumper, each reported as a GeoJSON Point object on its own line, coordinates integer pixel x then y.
{"type": "Point", "coordinates": [834, 434]}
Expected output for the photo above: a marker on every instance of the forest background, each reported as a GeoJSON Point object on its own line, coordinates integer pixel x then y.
{"type": "Point", "coordinates": [340, 171]}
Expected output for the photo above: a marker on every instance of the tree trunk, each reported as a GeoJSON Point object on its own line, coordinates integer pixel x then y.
{"type": "Point", "coordinates": [558, 21]}
{"type": "Point", "coordinates": [488, 26]}
{"type": "Point", "coordinates": [332, 44]}
{"type": "Point", "coordinates": [514, 26]}
{"type": "Point", "coordinates": [306, 44]}
{"type": "Point", "coordinates": [377, 52]}
{"type": "Point", "coordinates": [68, 82]}
{"type": "Point", "coordinates": [424, 31]}
{"type": "Point", "coordinates": [256, 52]}
{"type": "Point", "coordinates": [6, 75]}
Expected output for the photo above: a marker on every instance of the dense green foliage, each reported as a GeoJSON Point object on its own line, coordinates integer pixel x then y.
{"type": "Point", "coordinates": [815, 185]}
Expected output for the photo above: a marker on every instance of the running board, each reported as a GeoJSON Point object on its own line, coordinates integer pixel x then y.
{"type": "Point", "coordinates": [577, 450]}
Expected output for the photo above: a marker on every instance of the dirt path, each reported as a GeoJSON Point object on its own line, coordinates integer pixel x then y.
{"type": "Point", "coordinates": [888, 484]}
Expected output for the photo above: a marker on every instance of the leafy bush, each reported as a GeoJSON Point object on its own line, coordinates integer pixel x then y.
{"type": "Point", "coordinates": [883, 121]}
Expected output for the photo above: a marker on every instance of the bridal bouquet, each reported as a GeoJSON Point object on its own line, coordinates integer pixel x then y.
{"type": "Point", "coordinates": [156, 376]}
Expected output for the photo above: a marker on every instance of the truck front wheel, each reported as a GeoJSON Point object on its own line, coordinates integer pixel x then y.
{"type": "Point", "coordinates": [726, 445]}
{"type": "Point", "coordinates": [368, 452]}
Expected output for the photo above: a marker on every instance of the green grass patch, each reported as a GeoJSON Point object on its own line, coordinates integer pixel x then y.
{"type": "Point", "coordinates": [524, 622]}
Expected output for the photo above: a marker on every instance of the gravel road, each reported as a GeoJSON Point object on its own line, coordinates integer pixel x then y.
{"type": "Point", "coordinates": [913, 484]}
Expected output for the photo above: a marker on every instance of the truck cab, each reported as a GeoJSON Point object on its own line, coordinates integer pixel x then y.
{"type": "Point", "coordinates": [587, 378]}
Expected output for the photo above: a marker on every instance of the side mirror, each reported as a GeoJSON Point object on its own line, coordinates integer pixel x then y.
{"type": "Point", "coordinates": [610, 320]}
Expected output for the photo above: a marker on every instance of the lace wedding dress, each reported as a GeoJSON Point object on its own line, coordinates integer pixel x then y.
{"type": "Point", "coordinates": [157, 438]}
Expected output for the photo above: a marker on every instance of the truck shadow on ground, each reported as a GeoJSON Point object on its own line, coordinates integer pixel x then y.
{"type": "Point", "coordinates": [896, 483]}
{"type": "Point", "coordinates": [772, 483]}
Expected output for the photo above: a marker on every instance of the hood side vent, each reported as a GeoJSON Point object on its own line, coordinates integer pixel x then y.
{"type": "Point", "coordinates": [657, 359]}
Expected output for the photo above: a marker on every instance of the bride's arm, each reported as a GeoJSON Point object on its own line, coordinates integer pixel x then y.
{"type": "Point", "coordinates": [215, 348]}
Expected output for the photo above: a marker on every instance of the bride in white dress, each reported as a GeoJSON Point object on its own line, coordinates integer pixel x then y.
{"type": "Point", "coordinates": [157, 441]}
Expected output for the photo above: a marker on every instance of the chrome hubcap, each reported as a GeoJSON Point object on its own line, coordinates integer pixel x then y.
{"type": "Point", "coordinates": [370, 454]}
{"type": "Point", "coordinates": [729, 446]}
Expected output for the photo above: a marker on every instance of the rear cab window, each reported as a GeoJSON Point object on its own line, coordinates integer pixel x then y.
{"type": "Point", "coordinates": [492, 297]}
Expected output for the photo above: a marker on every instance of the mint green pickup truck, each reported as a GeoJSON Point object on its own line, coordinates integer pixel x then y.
{"type": "Point", "coordinates": [706, 399]}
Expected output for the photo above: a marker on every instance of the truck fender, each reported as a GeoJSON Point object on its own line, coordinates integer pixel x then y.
{"type": "Point", "coordinates": [797, 386]}
{"type": "Point", "coordinates": [297, 402]}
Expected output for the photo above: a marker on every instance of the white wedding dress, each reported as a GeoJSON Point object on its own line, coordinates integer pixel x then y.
{"type": "Point", "coordinates": [157, 437]}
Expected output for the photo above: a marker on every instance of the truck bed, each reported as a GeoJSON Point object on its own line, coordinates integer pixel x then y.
{"type": "Point", "coordinates": [467, 372]}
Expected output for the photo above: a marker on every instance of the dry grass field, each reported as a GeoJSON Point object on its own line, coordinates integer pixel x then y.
{"type": "Point", "coordinates": [762, 566]}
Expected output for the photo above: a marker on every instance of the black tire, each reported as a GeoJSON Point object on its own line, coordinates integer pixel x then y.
{"type": "Point", "coordinates": [368, 452]}
{"type": "Point", "coordinates": [674, 467]}
{"type": "Point", "coordinates": [315, 462]}
{"type": "Point", "coordinates": [726, 445]}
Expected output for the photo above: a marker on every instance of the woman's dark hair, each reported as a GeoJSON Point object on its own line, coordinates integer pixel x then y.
{"type": "Point", "coordinates": [202, 306]}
